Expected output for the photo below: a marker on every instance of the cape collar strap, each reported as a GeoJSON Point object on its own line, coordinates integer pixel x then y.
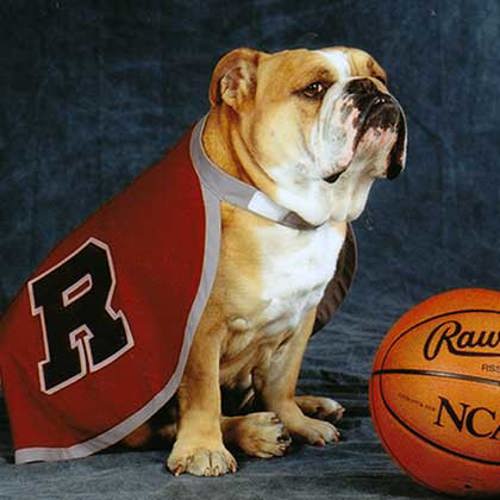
{"type": "Point", "coordinates": [228, 188]}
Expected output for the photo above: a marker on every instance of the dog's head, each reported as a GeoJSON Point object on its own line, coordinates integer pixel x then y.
{"type": "Point", "coordinates": [318, 125]}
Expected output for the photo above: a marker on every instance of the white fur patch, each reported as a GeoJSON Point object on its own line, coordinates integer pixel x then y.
{"type": "Point", "coordinates": [297, 266]}
{"type": "Point", "coordinates": [339, 61]}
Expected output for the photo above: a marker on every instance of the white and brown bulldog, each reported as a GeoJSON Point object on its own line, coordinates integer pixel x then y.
{"type": "Point", "coordinates": [312, 130]}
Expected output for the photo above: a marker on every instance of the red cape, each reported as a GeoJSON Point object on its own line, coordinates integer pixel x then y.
{"type": "Point", "coordinates": [97, 340]}
{"type": "Point", "coordinates": [76, 380]}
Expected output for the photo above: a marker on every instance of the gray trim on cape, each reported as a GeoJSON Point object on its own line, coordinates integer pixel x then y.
{"type": "Point", "coordinates": [124, 428]}
{"type": "Point", "coordinates": [235, 192]}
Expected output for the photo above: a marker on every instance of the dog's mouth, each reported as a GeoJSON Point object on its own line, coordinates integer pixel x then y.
{"type": "Point", "coordinates": [385, 114]}
{"type": "Point", "coordinates": [381, 115]}
{"type": "Point", "coordinates": [382, 112]}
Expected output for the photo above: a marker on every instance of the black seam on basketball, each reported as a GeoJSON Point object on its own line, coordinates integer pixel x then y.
{"type": "Point", "coordinates": [426, 439]}
{"type": "Point", "coordinates": [435, 373]}
{"type": "Point", "coordinates": [432, 318]}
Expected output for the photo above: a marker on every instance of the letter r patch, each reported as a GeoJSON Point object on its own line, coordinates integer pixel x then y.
{"type": "Point", "coordinates": [81, 331]}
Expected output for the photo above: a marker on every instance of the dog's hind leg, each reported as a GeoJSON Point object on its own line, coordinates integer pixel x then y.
{"type": "Point", "coordinates": [257, 434]}
{"type": "Point", "coordinates": [320, 407]}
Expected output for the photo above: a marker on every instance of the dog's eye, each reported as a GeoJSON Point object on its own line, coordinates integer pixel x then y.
{"type": "Point", "coordinates": [315, 90]}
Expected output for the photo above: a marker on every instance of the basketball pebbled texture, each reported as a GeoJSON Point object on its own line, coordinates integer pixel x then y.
{"type": "Point", "coordinates": [435, 392]}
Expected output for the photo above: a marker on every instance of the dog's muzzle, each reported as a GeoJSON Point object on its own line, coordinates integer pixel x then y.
{"type": "Point", "coordinates": [379, 110]}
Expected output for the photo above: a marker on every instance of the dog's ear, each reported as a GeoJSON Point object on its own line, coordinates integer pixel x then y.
{"type": "Point", "coordinates": [234, 78]}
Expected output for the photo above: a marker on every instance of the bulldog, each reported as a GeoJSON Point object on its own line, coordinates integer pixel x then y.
{"type": "Point", "coordinates": [312, 130]}
{"type": "Point", "coordinates": [206, 321]}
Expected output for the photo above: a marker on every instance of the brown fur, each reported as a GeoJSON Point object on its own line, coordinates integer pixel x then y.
{"type": "Point", "coordinates": [224, 351]}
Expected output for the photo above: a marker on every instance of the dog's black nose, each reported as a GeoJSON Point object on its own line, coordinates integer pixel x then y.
{"type": "Point", "coordinates": [361, 86]}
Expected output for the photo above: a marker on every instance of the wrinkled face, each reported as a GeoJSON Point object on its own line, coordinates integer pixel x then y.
{"type": "Point", "coordinates": [321, 124]}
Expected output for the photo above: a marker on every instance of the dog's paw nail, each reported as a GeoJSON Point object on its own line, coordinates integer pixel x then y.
{"type": "Point", "coordinates": [284, 439]}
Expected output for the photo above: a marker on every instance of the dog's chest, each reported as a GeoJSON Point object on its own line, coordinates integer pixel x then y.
{"type": "Point", "coordinates": [296, 266]}
{"type": "Point", "coordinates": [272, 276]}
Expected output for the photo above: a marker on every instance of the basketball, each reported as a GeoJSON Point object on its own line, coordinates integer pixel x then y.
{"type": "Point", "coordinates": [435, 392]}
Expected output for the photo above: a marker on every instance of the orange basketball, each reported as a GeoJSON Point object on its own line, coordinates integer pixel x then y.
{"type": "Point", "coordinates": [435, 392]}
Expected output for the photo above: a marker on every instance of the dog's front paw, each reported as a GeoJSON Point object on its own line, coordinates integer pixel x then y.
{"type": "Point", "coordinates": [201, 460]}
{"type": "Point", "coordinates": [258, 434]}
{"type": "Point", "coordinates": [322, 408]}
